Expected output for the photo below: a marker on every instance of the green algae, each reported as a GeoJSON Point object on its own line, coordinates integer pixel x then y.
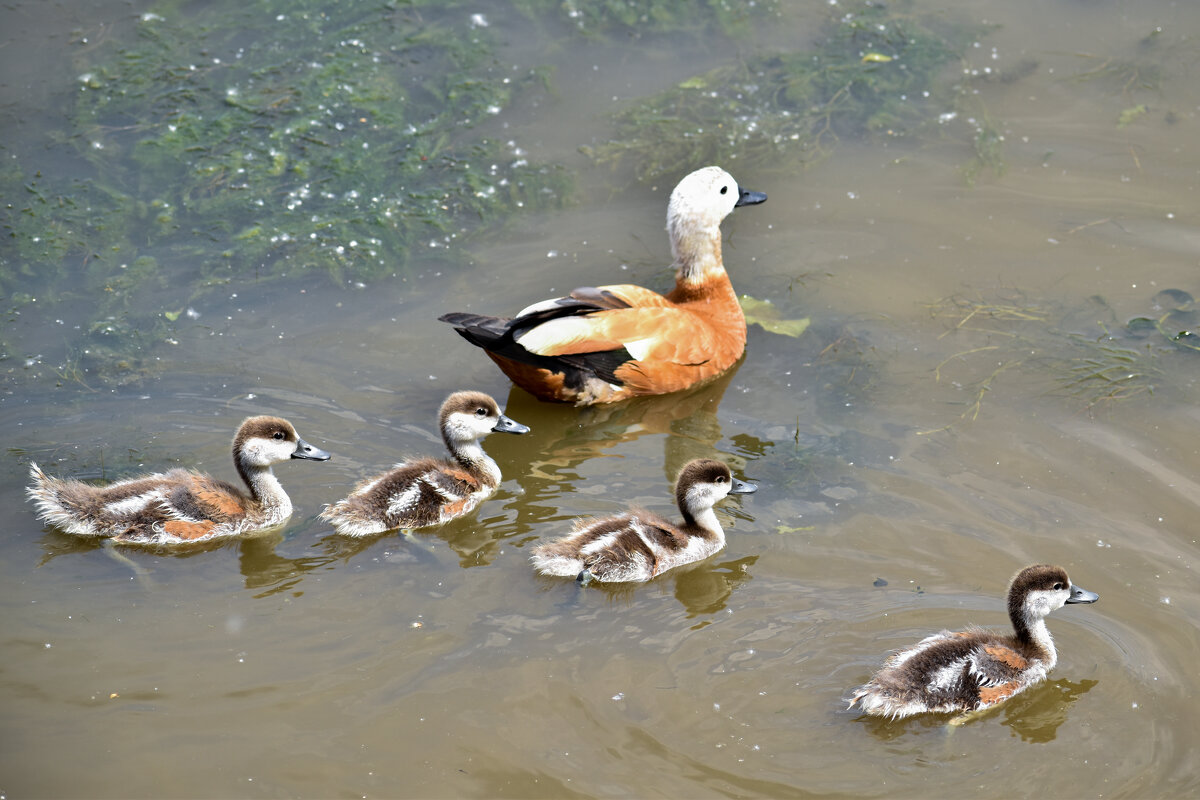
{"type": "Point", "coordinates": [300, 140]}
{"type": "Point", "coordinates": [639, 18]}
{"type": "Point", "coordinates": [1080, 353]}
{"type": "Point", "coordinates": [252, 143]}
{"type": "Point", "coordinates": [876, 72]}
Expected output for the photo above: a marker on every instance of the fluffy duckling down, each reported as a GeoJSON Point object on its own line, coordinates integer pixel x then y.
{"type": "Point", "coordinates": [976, 669]}
{"type": "Point", "coordinates": [640, 545]}
{"type": "Point", "coordinates": [429, 491]}
{"type": "Point", "coordinates": [181, 505]}
{"type": "Point", "coordinates": [608, 343]}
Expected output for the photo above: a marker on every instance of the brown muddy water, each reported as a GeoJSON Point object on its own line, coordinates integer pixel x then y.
{"type": "Point", "coordinates": [930, 434]}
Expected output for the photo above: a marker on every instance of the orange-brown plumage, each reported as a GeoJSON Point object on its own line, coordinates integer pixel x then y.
{"type": "Point", "coordinates": [608, 343]}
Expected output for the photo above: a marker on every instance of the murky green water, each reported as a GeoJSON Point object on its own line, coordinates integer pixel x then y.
{"type": "Point", "coordinates": [949, 417]}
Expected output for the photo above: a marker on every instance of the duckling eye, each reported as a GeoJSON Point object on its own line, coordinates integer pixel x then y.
{"type": "Point", "coordinates": [720, 479]}
{"type": "Point", "coordinates": [724, 189]}
{"type": "Point", "coordinates": [277, 435]}
{"type": "Point", "coordinates": [481, 412]}
{"type": "Point", "coordinates": [1058, 586]}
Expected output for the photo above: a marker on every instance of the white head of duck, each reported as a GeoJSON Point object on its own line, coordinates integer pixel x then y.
{"type": "Point", "coordinates": [698, 205]}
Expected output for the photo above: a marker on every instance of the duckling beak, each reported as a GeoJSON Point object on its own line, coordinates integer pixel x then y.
{"type": "Point", "coordinates": [307, 451]}
{"type": "Point", "coordinates": [1079, 595]}
{"type": "Point", "coordinates": [741, 487]}
{"type": "Point", "coordinates": [506, 425]}
{"type": "Point", "coordinates": [749, 198]}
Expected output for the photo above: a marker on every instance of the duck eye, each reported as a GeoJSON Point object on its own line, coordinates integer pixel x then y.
{"type": "Point", "coordinates": [278, 435]}
{"type": "Point", "coordinates": [721, 479]}
{"type": "Point", "coordinates": [724, 189]}
{"type": "Point", "coordinates": [481, 412]}
{"type": "Point", "coordinates": [1058, 586]}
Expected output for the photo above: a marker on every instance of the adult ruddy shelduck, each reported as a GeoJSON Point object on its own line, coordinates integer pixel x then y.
{"type": "Point", "coordinates": [975, 669]}
{"type": "Point", "coordinates": [429, 491]}
{"type": "Point", "coordinates": [640, 545]}
{"type": "Point", "coordinates": [608, 343]}
{"type": "Point", "coordinates": [182, 506]}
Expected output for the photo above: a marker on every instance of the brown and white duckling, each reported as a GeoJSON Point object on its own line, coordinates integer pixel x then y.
{"type": "Point", "coordinates": [975, 669]}
{"type": "Point", "coordinates": [182, 505]}
{"type": "Point", "coordinates": [640, 545]}
{"type": "Point", "coordinates": [429, 491]}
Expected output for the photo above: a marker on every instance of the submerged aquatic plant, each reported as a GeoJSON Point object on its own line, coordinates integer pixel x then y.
{"type": "Point", "coordinates": [640, 17]}
{"type": "Point", "coordinates": [290, 139]}
{"type": "Point", "coordinates": [309, 137]}
{"type": "Point", "coordinates": [1107, 362]}
{"type": "Point", "coordinates": [876, 71]}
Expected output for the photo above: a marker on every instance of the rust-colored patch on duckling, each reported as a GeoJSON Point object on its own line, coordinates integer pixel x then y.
{"type": "Point", "coordinates": [188, 530]}
{"type": "Point", "coordinates": [1007, 656]}
{"type": "Point", "coordinates": [994, 694]}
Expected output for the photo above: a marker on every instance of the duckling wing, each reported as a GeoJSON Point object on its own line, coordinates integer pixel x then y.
{"type": "Point", "coordinates": [659, 534]}
{"type": "Point", "coordinates": [448, 484]}
{"type": "Point", "coordinates": [999, 671]}
{"type": "Point", "coordinates": [202, 499]}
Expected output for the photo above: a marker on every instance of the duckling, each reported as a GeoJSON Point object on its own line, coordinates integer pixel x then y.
{"type": "Point", "coordinates": [428, 491]}
{"type": "Point", "coordinates": [976, 669]}
{"type": "Point", "coordinates": [608, 343]}
{"type": "Point", "coordinates": [181, 505]}
{"type": "Point", "coordinates": [639, 545]}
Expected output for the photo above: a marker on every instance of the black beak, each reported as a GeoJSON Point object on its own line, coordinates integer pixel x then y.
{"type": "Point", "coordinates": [1082, 595]}
{"type": "Point", "coordinates": [506, 425]}
{"type": "Point", "coordinates": [741, 487]}
{"type": "Point", "coordinates": [749, 198]}
{"type": "Point", "coordinates": [307, 451]}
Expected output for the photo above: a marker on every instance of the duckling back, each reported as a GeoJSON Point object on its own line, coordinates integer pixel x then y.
{"type": "Point", "coordinates": [417, 494]}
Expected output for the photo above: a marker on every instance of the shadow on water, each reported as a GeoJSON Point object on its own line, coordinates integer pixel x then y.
{"type": "Point", "coordinates": [1035, 716]}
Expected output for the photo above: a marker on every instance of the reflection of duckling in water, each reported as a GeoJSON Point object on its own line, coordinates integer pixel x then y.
{"type": "Point", "coordinates": [609, 343]}
{"type": "Point", "coordinates": [976, 669]}
{"type": "Point", "coordinates": [181, 506]}
{"type": "Point", "coordinates": [428, 491]}
{"type": "Point", "coordinates": [639, 545]}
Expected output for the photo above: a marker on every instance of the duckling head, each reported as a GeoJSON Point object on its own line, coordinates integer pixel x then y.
{"type": "Point", "coordinates": [469, 416]}
{"type": "Point", "coordinates": [704, 482]}
{"type": "Point", "coordinates": [263, 441]}
{"type": "Point", "coordinates": [1038, 590]}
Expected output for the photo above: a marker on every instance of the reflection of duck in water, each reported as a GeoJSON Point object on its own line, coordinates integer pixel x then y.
{"type": "Point", "coordinates": [609, 343]}
{"type": "Point", "coordinates": [180, 505]}
{"type": "Point", "coordinates": [565, 437]}
{"type": "Point", "coordinates": [428, 491]}
{"type": "Point", "coordinates": [639, 545]}
{"type": "Point", "coordinates": [976, 669]}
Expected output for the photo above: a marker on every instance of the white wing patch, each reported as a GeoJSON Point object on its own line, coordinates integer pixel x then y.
{"type": "Point", "coordinates": [403, 502]}
{"type": "Point", "coordinates": [132, 505]}
{"type": "Point", "coordinates": [555, 333]}
{"type": "Point", "coordinates": [541, 305]}
{"type": "Point", "coordinates": [639, 348]}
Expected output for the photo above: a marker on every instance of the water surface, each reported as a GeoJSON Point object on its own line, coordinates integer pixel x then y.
{"type": "Point", "coordinates": [919, 444]}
